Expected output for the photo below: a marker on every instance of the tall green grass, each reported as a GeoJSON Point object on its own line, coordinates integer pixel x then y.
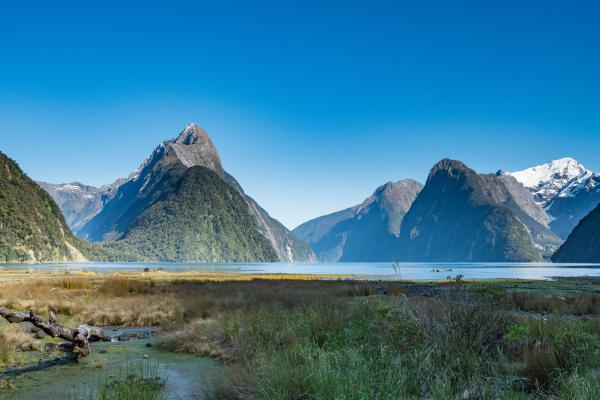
{"type": "Point", "coordinates": [136, 380]}
{"type": "Point", "coordinates": [458, 346]}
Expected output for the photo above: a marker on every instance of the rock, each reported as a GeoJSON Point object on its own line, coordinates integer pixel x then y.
{"type": "Point", "coordinates": [25, 347]}
{"type": "Point", "coordinates": [124, 337]}
{"type": "Point", "coordinates": [103, 351]}
{"type": "Point", "coordinates": [40, 334]}
{"type": "Point", "coordinates": [148, 344]}
{"type": "Point", "coordinates": [36, 346]}
{"type": "Point", "coordinates": [51, 347]}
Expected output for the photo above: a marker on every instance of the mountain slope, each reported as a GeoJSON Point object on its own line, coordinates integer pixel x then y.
{"type": "Point", "coordinates": [165, 166]}
{"type": "Point", "coordinates": [520, 201]}
{"type": "Point", "coordinates": [32, 228]}
{"type": "Point", "coordinates": [464, 216]}
{"type": "Point", "coordinates": [565, 189]}
{"type": "Point", "coordinates": [78, 202]}
{"type": "Point", "coordinates": [583, 244]}
{"type": "Point", "coordinates": [366, 232]}
{"type": "Point", "coordinates": [199, 218]}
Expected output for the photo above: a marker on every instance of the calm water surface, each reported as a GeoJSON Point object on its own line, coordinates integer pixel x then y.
{"type": "Point", "coordinates": [374, 270]}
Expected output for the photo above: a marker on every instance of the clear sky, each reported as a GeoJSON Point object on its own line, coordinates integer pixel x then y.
{"type": "Point", "coordinates": [311, 104]}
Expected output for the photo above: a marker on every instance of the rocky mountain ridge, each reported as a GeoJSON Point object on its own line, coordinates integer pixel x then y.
{"type": "Point", "coordinates": [365, 232]}
{"type": "Point", "coordinates": [167, 163]}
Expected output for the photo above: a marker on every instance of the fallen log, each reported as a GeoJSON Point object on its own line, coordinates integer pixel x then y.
{"type": "Point", "coordinates": [80, 336]}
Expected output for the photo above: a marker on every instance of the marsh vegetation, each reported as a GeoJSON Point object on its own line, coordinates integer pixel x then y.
{"type": "Point", "coordinates": [319, 339]}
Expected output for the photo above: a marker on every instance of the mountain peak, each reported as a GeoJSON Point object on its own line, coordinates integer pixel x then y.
{"type": "Point", "coordinates": [564, 169]}
{"type": "Point", "coordinates": [453, 168]}
{"type": "Point", "coordinates": [558, 178]}
{"type": "Point", "coordinates": [193, 147]}
{"type": "Point", "coordinates": [192, 134]}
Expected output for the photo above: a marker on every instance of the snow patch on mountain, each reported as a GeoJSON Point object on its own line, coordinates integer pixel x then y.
{"type": "Point", "coordinates": [560, 178]}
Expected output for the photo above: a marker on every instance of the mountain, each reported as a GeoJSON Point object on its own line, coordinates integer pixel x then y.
{"type": "Point", "coordinates": [583, 244]}
{"type": "Point", "coordinates": [78, 202]}
{"type": "Point", "coordinates": [461, 215]}
{"type": "Point", "coordinates": [32, 228]}
{"type": "Point", "coordinates": [154, 179]}
{"type": "Point", "coordinates": [198, 218]}
{"type": "Point", "coordinates": [523, 197]}
{"type": "Point", "coordinates": [366, 232]}
{"type": "Point", "coordinates": [565, 189]}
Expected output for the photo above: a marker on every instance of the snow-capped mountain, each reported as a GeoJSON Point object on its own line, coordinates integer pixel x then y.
{"type": "Point", "coordinates": [566, 189]}
{"type": "Point", "coordinates": [549, 180]}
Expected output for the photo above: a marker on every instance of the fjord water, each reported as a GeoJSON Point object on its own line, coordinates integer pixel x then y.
{"type": "Point", "coordinates": [366, 270]}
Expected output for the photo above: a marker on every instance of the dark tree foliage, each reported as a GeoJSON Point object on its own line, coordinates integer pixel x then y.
{"type": "Point", "coordinates": [32, 228]}
{"type": "Point", "coordinates": [198, 218]}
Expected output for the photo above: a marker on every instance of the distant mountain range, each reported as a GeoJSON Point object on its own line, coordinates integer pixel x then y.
{"type": "Point", "coordinates": [463, 216]}
{"type": "Point", "coordinates": [114, 214]}
{"type": "Point", "coordinates": [78, 202]}
{"type": "Point", "coordinates": [181, 205]}
{"type": "Point", "coordinates": [366, 232]}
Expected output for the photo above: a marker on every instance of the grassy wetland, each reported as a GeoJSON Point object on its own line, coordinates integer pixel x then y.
{"type": "Point", "coordinates": [296, 337]}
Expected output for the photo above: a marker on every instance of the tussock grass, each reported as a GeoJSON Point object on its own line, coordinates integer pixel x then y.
{"type": "Point", "coordinates": [136, 380]}
{"type": "Point", "coordinates": [11, 339]}
{"type": "Point", "coordinates": [334, 340]}
{"type": "Point", "coordinates": [119, 287]}
{"type": "Point", "coordinates": [70, 283]}
{"type": "Point", "coordinates": [578, 304]}
{"type": "Point", "coordinates": [292, 339]}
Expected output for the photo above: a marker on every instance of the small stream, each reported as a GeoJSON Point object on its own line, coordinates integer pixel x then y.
{"type": "Point", "coordinates": [186, 376]}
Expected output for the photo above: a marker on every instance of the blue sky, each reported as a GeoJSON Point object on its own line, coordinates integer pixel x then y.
{"type": "Point", "coordinates": [311, 104]}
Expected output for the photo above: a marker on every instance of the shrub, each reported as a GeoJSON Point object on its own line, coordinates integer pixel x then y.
{"type": "Point", "coordinates": [517, 334]}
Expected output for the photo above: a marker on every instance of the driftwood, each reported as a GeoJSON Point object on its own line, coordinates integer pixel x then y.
{"type": "Point", "coordinates": [80, 336]}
